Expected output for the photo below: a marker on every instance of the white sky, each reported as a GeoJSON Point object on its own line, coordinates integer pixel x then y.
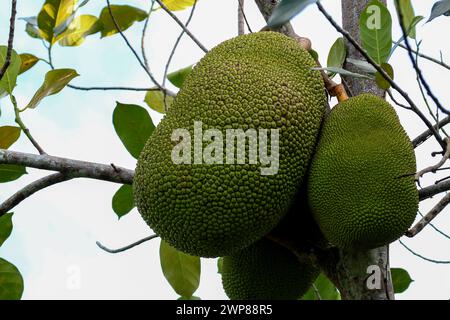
{"type": "Point", "coordinates": [55, 230]}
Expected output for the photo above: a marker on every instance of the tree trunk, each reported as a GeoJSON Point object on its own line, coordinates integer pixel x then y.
{"type": "Point", "coordinates": [359, 275]}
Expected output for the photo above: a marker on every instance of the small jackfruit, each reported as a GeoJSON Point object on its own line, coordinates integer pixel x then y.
{"type": "Point", "coordinates": [266, 271]}
{"type": "Point", "coordinates": [361, 185]}
{"type": "Point", "coordinates": [260, 81]}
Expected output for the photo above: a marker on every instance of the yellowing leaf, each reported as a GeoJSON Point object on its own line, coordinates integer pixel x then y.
{"type": "Point", "coordinates": [8, 135]}
{"type": "Point", "coordinates": [54, 82]}
{"type": "Point", "coordinates": [53, 14]}
{"type": "Point", "coordinates": [125, 17]}
{"type": "Point", "coordinates": [27, 62]}
{"type": "Point", "coordinates": [79, 29]}
{"type": "Point", "coordinates": [176, 5]}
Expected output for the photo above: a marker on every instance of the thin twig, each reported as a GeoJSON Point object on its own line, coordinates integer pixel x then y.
{"type": "Point", "coordinates": [128, 247]}
{"type": "Point", "coordinates": [177, 42]}
{"type": "Point", "coordinates": [241, 22]}
{"type": "Point", "coordinates": [241, 8]}
{"type": "Point", "coordinates": [76, 168]}
{"type": "Point", "coordinates": [427, 134]}
{"type": "Point", "coordinates": [441, 162]}
{"type": "Point", "coordinates": [144, 31]}
{"type": "Point", "coordinates": [415, 65]}
{"type": "Point", "coordinates": [31, 189]}
{"type": "Point", "coordinates": [436, 228]}
{"type": "Point", "coordinates": [178, 21]}
{"type": "Point", "coordinates": [24, 128]}
{"type": "Point", "coordinates": [152, 78]}
{"type": "Point", "coordinates": [429, 216]}
{"type": "Point", "coordinates": [439, 62]}
{"type": "Point", "coordinates": [382, 72]}
{"type": "Point", "coordinates": [9, 49]}
{"type": "Point", "coordinates": [168, 92]}
{"type": "Point", "coordinates": [389, 92]}
{"type": "Point", "coordinates": [421, 256]}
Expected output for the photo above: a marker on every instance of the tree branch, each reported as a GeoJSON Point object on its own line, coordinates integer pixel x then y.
{"type": "Point", "coordinates": [433, 190]}
{"type": "Point", "coordinates": [178, 21]}
{"type": "Point", "coordinates": [74, 168]}
{"type": "Point", "coordinates": [429, 216]}
{"type": "Point", "coordinates": [427, 134]}
{"type": "Point", "coordinates": [382, 72]}
{"type": "Point", "coordinates": [416, 66]}
{"type": "Point", "coordinates": [441, 162]}
{"type": "Point", "coordinates": [31, 189]}
{"type": "Point", "coordinates": [427, 57]}
{"type": "Point", "coordinates": [266, 7]}
{"type": "Point", "coordinates": [9, 49]}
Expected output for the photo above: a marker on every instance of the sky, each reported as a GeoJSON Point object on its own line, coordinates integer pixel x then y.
{"type": "Point", "coordinates": [55, 230]}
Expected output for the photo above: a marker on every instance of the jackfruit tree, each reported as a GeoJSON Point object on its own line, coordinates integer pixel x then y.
{"type": "Point", "coordinates": [285, 170]}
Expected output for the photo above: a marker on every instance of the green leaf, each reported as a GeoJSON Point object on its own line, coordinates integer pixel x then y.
{"type": "Point", "coordinates": [219, 265]}
{"type": "Point", "coordinates": [6, 227]}
{"type": "Point", "coordinates": [11, 172]}
{"type": "Point", "coordinates": [336, 57]}
{"type": "Point", "coordinates": [176, 5]}
{"type": "Point", "coordinates": [79, 29]}
{"type": "Point", "coordinates": [123, 201]}
{"type": "Point", "coordinates": [8, 81]}
{"type": "Point", "coordinates": [8, 135]}
{"type": "Point", "coordinates": [11, 281]}
{"type": "Point", "coordinates": [133, 125]}
{"type": "Point", "coordinates": [400, 279]}
{"type": "Point", "coordinates": [406, 9]}
{"type": "Point", "coordinates": [182, 271]}
{"type": "Point", "coordinates": [125, 16]}
{"type": "Point", "coordinates": [286, 10]}
{"type": "Point", "coordinates": [189, 298]}
{"type": "Point", "coordinates": [177, 77]}
{"type": "Point", "coordinates": [155, 100]}
{"type": "Point", "coordinates": [55, 81]}
{"type": "Point", "coordinates": [440, 8]}
{"type": "Point", "coordinates": [27, 62]}
{"type": "Point", "coordinates": [375, 25]}
{"type": "Point", "coordinates": [53, 14]}
{"type": "Point", "coordinates": [325, 290]}
{"type": "Point", "coordinates": [380, 80]}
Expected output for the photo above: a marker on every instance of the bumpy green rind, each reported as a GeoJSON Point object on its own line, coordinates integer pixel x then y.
{"type": "Point", "coordinates": [260, 81]}
{"type": "Point", "coordinates": [266, 271]}
{"type": "Point", "coordinates": [361, 187]}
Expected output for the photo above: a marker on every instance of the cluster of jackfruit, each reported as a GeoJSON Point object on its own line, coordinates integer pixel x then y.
{"type": "Point", "coordinates": [345, 181]}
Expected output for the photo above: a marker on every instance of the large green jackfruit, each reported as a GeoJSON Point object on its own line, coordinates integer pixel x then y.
{"type": "Point", "coordinates": [257, 81]}
{"type": "Point", "coordinates": [266, 271]}
{"type": "Point", "coordinates": [361, 185]}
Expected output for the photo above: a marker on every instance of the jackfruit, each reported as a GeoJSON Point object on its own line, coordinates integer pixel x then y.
{"type": "Point", "coordinates": [266, 271]}
{"type": "Point", "coordinates": [361, 185]}
{"type": "Point", "coordinates": [260, 81]}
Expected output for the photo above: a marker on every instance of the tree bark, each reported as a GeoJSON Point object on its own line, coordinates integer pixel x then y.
{"type": "Point", "coordinates": [351, 11]}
